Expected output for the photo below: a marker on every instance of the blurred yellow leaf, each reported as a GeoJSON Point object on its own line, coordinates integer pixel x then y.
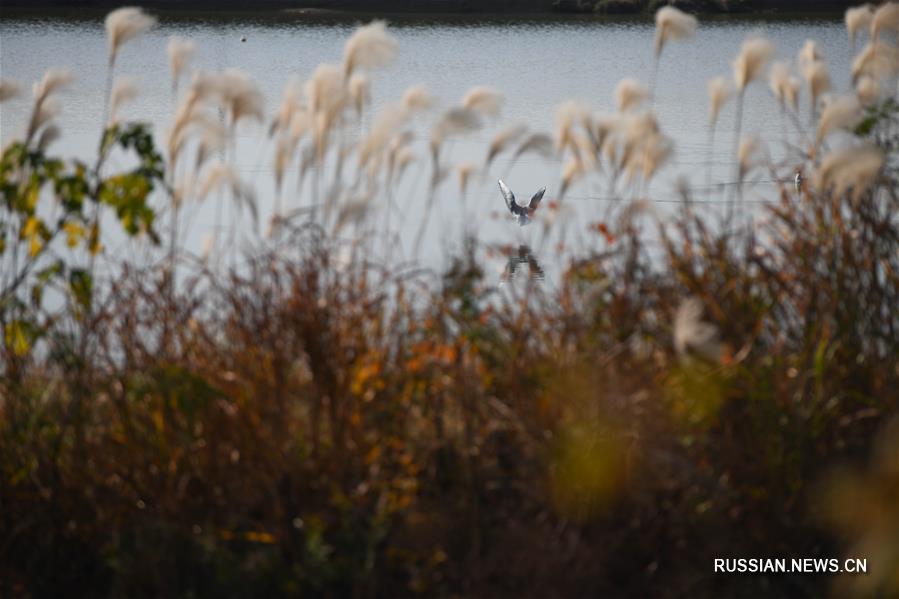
{"type": "Point", "coordinates": [74, 233]}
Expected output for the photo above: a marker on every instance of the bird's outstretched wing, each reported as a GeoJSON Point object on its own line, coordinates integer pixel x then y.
{"type": "Point", "coordinates": [535, 201]}
{"type": "Point", "coordinates": [508, 196]}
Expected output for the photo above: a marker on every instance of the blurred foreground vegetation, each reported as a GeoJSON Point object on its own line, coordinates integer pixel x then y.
{"type": "Point", "coordinates": [299, 424]}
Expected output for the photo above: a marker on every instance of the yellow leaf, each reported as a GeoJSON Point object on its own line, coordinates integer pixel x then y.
{"type": "Point", "coordinates": [16, 339]}
{"type": "Point", "coordinates": [74, 233]}
{"type": "Point", "coordinates": [94, 245]}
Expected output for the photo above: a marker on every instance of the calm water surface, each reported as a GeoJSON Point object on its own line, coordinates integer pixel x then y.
{"type": "Point", "coordinates": [537, 64]}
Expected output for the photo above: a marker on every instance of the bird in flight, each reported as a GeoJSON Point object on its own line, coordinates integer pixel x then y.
{"type": "Point", "coordinates": [524, 212]}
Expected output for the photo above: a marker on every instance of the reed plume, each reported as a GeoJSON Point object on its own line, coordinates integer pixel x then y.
{"type": "Point", "coordinates": [219, 175]}
{"type": "Point", "coordinates": [572, 171]}
{"type": "Point", "coordinates": [180, 51]}
{"type": "Point", "coordinates": [387, 123]}
{"type": "Point", "coordinates": [360, 92]}
{"type": "Point", "coordinates": [748, 155]}
{"type": "Point", "coordinates": [672, 24]}
{"type": "Point", "coordinates": [465, 171]}
{"type": "Point", "coordinates": [370, 47]}
{"type": "Point", "coordinates": [484, 100]}
{"type": "Point", "coordinates": [241, 97]}
{"type": "Point", "coordinates": [568, 115]}
{"type": "Point", "coordinates": [8, 90]}
{"type": "Point", "coordinates": [656, 151]}
{"type": "Point", "coordinates": [885, 19]}
{"type": "Point", "coordinates": [754, 55]}
{"type": "Point", "coordinates": [124, 91]}
{"type": "Point", "coordinates": [291, 103]}
{"type": "Point", "coordinates": [125, 24]}
{"type": "Point", "coordinates": [455, 121]}
{"type": "Point", "coordinates": [818, 79]}
{"type": "Point", "coordinates": [843, 112]}
{"type": "Point", "coordinates": [535, 143]}
{"type": "Point", "coordinates": [809, 54]}
{"type": "Point", "coordinates": [352, 213]}
{"type": "Point", "coordinates": [50, 134]}
{"type": "Point", "coordinates": [53, 81]}
{"type": "Point", "coordinates": [46, 107]}
{"type": "Point", "coordinates": [629, 94]}
{"type": "Point", "coordinates": [868, 90]}
{"type": "Point", "coordinates": [719, 93]}
{"type": "Point", "coordinates": [507, 136]}
{"type": "Point", "coordinates": [854, 168]}
{"type": "Point", "coordinates": [691, 334]}
{"type": "Point", "coordinates": [857, 18]}
{"type": "Point", "coordinates": [417, 98]}
{"type": "Point", "coordinates": [879, 60]}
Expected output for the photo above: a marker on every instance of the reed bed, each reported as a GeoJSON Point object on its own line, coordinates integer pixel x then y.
{"type": "Point", "coordinates": [298, 418]}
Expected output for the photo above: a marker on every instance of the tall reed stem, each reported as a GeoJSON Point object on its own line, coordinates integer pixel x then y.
{"type": "Point", "coordinates": [736, 156]}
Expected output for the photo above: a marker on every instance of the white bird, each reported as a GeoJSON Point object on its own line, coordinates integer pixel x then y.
{"type": "Point", "coordinates": [797, 181]}
{"type": "Point", "coordinates": [522, 211]}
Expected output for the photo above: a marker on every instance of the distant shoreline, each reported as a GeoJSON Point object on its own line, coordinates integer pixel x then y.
{"type": "Point", "coordinates": [432, 8]}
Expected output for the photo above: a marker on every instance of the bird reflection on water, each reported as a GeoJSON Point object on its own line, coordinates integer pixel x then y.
{"type": "Point", "coordinates": [524, 256]}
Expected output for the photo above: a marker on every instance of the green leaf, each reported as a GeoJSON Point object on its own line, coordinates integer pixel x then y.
{"type": "Point", "coordinates": [82, 286]}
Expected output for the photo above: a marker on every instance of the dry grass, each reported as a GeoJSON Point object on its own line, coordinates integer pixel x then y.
{"type": "Point", "coordinates": [304, 421]}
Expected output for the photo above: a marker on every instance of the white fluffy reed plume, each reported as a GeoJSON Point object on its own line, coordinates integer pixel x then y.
{"type": "Point", "coordinates": [749, 155]}
{"type": "Point", "coordinates": [507, 136]}
{"type": "Point", "coordinates": [45, 105]}
{"type": "Point", "coordinates": [241, 97]}
{"type": "Point", "coordinates": [402, 159]}
{"type": "Point", "coordinates": [857, 18]}
{"type": "Point", "coordinates": [220, 175]}
{"type": "Point", "coordinates": [50, 134]}
{"type": "Point", "coordinates": [180, 51]}
{"type": "Point", "coordinates": [854, 168]}
{"type": "Point", "coordinates": [291, 103]}
{"type": "Point", "coordinates": [465, 171]}
{"type": "Point", "coordinates": [568, 115]}
{"type": "Point", "coordinates": [672, 24]}
{"type": "Point", "coordinates": [818, 79]}
{"type": "Point", "coordinates": [719, 93]}
{"type": "Point", "coordinates": [879, 60]}
{"type": "Point", "coordinates": [784, 86]}
{"type": "Point", "coordinates": [868, 90]}
{"type": "Point", "coordinates": [370, 47]}
{"type": "Point", "coordinates": [656, 151]}
{"type": "Point", "coordinates": [809, 53]}
{"type": "Point", "coordinates": [417, 98]}
{"type": "Point", "coordinates": [8, 90]}
{"type": "Point", "coordinates": [484, 100]}
{"type": "Point", "coordinates": [754, 55]}
{"type": "Point", "coordinates": [455, 121]}
{"type": "Point", "coordinates": [54, 80]}
{"type": "Point", "coordinates": [124, 91]}
{"type": "Point", "coordinates": [886, 18]}
{"type": "Point", "coordinates": [535, 143]}
{"type": "Point", "coordinates": [360, 92]}
{"type": "Point", "coordinates": [629, 94]}
{"type": "Point", "coordinates": [692, 335]}
{"type": "Point", "coordinates": [572, 171]}
{"type": "Point", "coordinates": [326, 91]}
{"type": "Point", "coordinates": [125, 24]}
{"type": "Point", "coordinates": [387, 123]}
{"type": "Point", "coordinates": [843, 112]}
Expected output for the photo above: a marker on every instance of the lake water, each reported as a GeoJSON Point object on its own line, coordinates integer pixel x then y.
{"type": "Point", "coordinates": [537, 63]}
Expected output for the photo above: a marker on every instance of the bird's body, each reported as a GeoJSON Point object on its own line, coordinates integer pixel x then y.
{"type": "Point", "coordinates": [797, 181]}
{"type": "Point", "coordinates": [523, 212]}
